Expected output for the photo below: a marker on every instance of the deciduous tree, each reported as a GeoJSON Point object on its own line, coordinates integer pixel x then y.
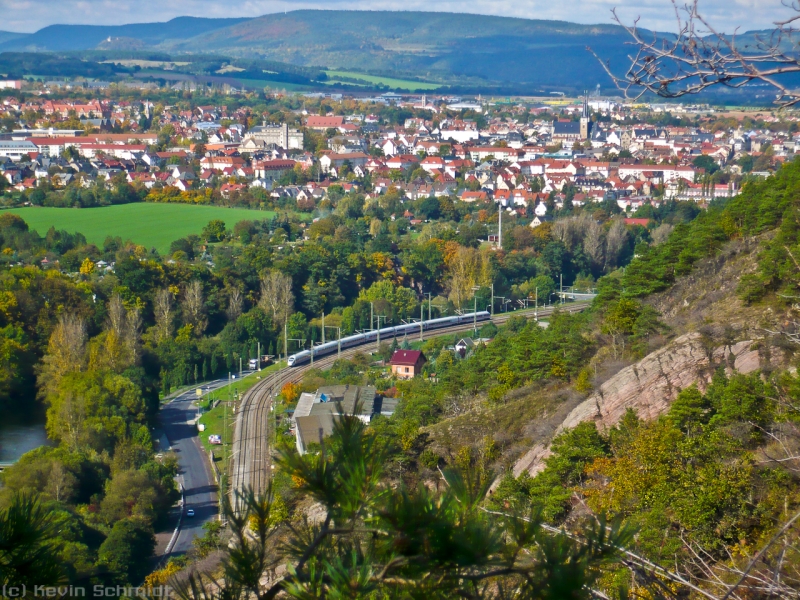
{"type": "Point", "coordinates": [193, 307]}
{"type": "Point", "coordinates": [162, 307]}
{"type": "Point", "coordinates": [277, 298]}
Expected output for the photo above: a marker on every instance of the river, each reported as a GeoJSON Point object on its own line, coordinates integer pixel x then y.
{"type": "Point", "coordinates": [20, 434]}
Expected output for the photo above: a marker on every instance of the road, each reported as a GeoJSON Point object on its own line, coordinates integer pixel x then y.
{"type": "Point", "coordinates": [252, 459]}
{"type": "Point", "coordinates": [200, 492]}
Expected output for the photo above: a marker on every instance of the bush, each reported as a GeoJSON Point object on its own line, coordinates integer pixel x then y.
{"type": "Point", "coordinates": [429, 459]}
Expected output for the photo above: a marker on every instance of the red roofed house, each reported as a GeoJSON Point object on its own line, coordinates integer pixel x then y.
{"type": "Point", "coordinates": [226, 189]}
{"type": "Point", "coordinates": [221, 162]}
{"type": "Point", "coordinates": [334, 161]}
{"type": "Point", "coordinates": [323, 123]}
{"type": "Point", "coordinates": [272, 170]}
{"type": "Point", "coordinates": [407, 364]}
{"type": "Point", "coordinates": [26, 184]}
{"type": "Point", "coordinates": [432, 163]}
{"type": "Point", "coordinates": [479, 196]}
{"type": "Point", "coordinates": [401, 161]}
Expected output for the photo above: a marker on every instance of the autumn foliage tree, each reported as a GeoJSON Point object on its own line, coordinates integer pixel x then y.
{"type": "Point", "coordinates": [290, 391]}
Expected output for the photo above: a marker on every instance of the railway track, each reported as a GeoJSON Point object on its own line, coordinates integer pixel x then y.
{"type": "Point", "coordinates": [251, 460]}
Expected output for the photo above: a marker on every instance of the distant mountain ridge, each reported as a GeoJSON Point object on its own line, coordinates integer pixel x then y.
{"type": "Point", "coordinates": [60, 38]}
{"type": "Point", "coordinates": [442, 47]}
{"type": "Point", "coordinates": [6, 36]}
{"type": "Point", "coordinates": [495, 48]}
{"type": "Point", "coordinates": [447, 48]}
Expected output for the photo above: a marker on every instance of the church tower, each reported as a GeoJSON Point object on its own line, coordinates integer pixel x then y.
{"type": "Point", "coordinates": [585, 119]}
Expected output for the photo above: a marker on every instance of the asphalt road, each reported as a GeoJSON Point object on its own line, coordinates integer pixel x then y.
{"type": "Point", "coordinates": [200, 492]}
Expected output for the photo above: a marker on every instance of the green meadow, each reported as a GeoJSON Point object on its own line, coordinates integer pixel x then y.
{"type": "Point", "coordinates": [148, 224]}
{"type": "Point", "coordinates": [403, 84]}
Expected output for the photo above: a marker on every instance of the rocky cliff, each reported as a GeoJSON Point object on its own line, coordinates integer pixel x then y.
{"type": "Point", "coordinates": [650, 386]}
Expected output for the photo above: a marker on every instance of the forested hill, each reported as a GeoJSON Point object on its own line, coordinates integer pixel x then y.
{"type": "Point", "coordinates": [6, 36]}
{"type": "Point", "coordinates": [689, 444]}
{"type": "Point", "coordinates": [762, 207]}
{"type": "Point", "coordinates": [455, 49]}
{"type": "Point", "coordinates": [494, 48]}
{"type": "Point", "coordinates": [440, 46]}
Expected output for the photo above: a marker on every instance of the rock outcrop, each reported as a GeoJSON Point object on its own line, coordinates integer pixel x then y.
{"type": "Point", "coordinates": [650, 386]}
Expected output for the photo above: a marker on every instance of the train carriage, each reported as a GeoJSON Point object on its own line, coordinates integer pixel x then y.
{"type": "Point", "coordinates": [406, 329]}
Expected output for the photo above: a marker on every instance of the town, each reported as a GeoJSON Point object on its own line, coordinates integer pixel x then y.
{"type": "Point", "coordinates": [530, 158]}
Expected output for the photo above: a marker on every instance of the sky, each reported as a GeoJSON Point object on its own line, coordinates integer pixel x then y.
{"type": "Point", "coordinates": [724, 15]}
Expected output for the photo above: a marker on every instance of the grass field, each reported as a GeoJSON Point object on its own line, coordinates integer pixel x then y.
{"type": "Point", "coordinates": [404, 84]}
{"type": "Point", "coordinates": [273, 85]}
{"type": "Point", "coordinates": [221, 419]}
{"type": "Point", "coordinates": [151, 225]}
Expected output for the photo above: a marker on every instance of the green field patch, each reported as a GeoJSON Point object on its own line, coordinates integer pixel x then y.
{"type": "Point", "coordinates": [148, 224]}
{"type": "Point", "coordinates": [273, 85]}
{"type": "Point", "coordinates": [220, 420]}
{"type": "Point", "coordinates": [405, 84]}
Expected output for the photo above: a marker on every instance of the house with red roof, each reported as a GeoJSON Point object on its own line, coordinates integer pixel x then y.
{"type": "Point", "coordinates": [226, 189]}
{"type": "Point", "coordinates": [479, 196]}
{"type": "Point", "coordinates": [502, 196]}
{"type": "Point", "coordinates": [407, 364]}
{"type": "Point", "coordinates": [322, 123]}
{"type": "Point", "coordinates": [331, 161]}
{"type": "Point", "coordinates": [432, 163]}
{"type": "Point", "coordinates": [401, 161]}
{"type": "Point", "coordinates": [26, 184]}
{"type": "Point", "coordinates": [272, 170]}
{"type": "Point", "coordinates": [221, 162]}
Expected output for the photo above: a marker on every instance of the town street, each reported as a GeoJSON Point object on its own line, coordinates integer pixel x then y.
{"type": "Point", "coordinates": [178, 421]}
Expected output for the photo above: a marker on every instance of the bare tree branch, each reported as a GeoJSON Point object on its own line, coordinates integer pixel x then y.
{"type": "Point", "coordinates": [698, 57]}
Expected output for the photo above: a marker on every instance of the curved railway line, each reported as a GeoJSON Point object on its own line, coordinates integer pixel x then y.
{"type": "Point", "coordinates": [251, 458]}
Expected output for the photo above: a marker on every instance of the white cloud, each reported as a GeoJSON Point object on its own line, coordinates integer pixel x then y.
{"type": "Point", "coordinates": [30, 15]}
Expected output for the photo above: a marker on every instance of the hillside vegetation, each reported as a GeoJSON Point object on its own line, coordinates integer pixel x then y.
{"type": "Point", "coordinates": [709, 482]}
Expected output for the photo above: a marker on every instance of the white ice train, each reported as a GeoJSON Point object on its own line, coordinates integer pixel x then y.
{"type": "Point", "coordinates": [386, 333]}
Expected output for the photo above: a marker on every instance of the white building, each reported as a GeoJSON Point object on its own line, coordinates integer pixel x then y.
{"type": "Point", "coordinates": [280, 135]}
{"type": "Point", "coordinates": [17, 149]}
